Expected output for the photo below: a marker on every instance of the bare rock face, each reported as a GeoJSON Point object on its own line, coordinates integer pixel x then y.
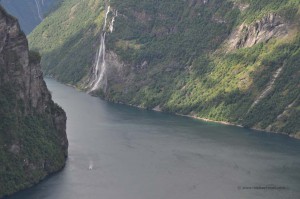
{"type": "Point", "coordinates": [20, 68]}
{"type": "Point", "coordinates": [241, 6]}
{"type": "Point", "coordinates": [29, 100]}
{"type": "Point", "coordinates": [270, 26]}
{"type": "Point", "coordinates": [117, 69]}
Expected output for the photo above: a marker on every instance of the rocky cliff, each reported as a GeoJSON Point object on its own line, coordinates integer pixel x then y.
{"type": "Point", "coordinates": [33, 141]}
{"type": "Point", "coordinates": [270, 26]}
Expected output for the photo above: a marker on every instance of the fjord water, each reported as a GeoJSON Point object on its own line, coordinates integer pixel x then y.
{"type": "Point", "coordinates": [120, 152]}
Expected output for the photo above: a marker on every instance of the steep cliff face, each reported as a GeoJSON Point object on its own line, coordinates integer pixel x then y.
{"type": "Point", "coordinates": [33, 141]}
{"type": "Point", "coordinates": [270, 26]}
{"type": "Point", "coordinates": [226, 60]}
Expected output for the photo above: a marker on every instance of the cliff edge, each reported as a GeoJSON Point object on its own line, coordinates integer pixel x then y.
{"type": "Point", "coordinates": [33, 141]}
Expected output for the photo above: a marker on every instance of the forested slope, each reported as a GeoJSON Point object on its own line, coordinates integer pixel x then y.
{"type": "Point", "coordinates": [235, 60]}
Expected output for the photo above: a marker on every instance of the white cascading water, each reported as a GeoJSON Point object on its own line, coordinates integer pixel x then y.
{"type": "Point", "coordinates": [99, 69]}
{"type": "Point", "coordinates": [100, 65]}
{"type": "Point", "coordinates": [111, 26]}
{"type": "Point", "coordinates": [38, 10]}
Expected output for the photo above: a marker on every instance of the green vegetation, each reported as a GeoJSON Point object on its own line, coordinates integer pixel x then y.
{"type": "Point", "coordinates": [29, 145]}
{"type": "Point", "coordinates": [70, 34]}
{"type": "Point", "coordinates": [258, 9]}
{"type": "Point", "coordinates": [33, 143]}
{"type": "Point", "coordinates": [188, 68]}
{"type": "Point", "coordinates": [34, 56]}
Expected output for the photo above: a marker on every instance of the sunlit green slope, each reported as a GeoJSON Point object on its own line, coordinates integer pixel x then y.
{"type": "Point", "coordinates": [235, 61]}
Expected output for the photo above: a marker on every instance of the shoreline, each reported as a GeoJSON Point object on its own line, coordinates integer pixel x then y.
{"type": "Point", "coordinates": [158, 109]}
{"type": "Point", "coordinates": [32, 185]}
{"type": "Point", "coordinates": [296, 136]}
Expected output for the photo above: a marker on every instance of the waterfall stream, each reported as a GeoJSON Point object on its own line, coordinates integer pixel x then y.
{"type": "Point", "coordinates": [38, 10]}
{"type": "Point", "coordinates": [100, 65]}
{"type": "Point", "coordinates": [99, 69]}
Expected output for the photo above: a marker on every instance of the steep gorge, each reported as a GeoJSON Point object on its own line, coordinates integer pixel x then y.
{"type": "Point", "coordinates": [33, 141]}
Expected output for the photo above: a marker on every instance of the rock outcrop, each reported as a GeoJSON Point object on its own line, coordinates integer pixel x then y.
{"type": "Point", "coordinates": [33, 141]}
{"type": "Point", "coordinates": [270, 26]}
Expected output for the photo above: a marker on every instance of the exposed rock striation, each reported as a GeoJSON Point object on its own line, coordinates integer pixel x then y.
{"type": "Point", "coordinates": [270, 26]}
{"type": "Point", "coordinates": [33, 141]}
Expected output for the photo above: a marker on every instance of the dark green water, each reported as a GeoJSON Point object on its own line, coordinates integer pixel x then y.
{"type": "Point", "coordinates": [138, 154]}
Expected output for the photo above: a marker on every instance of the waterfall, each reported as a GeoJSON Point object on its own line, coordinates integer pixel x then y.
{"type": "Point", "coordinates": [99, 69]}
{"type": "Point", "coordinates": [38, 10]}
{"type": "Point", "coordinates": [111, 25]}
{"type": "Point", "coordinates": [100, 65]}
